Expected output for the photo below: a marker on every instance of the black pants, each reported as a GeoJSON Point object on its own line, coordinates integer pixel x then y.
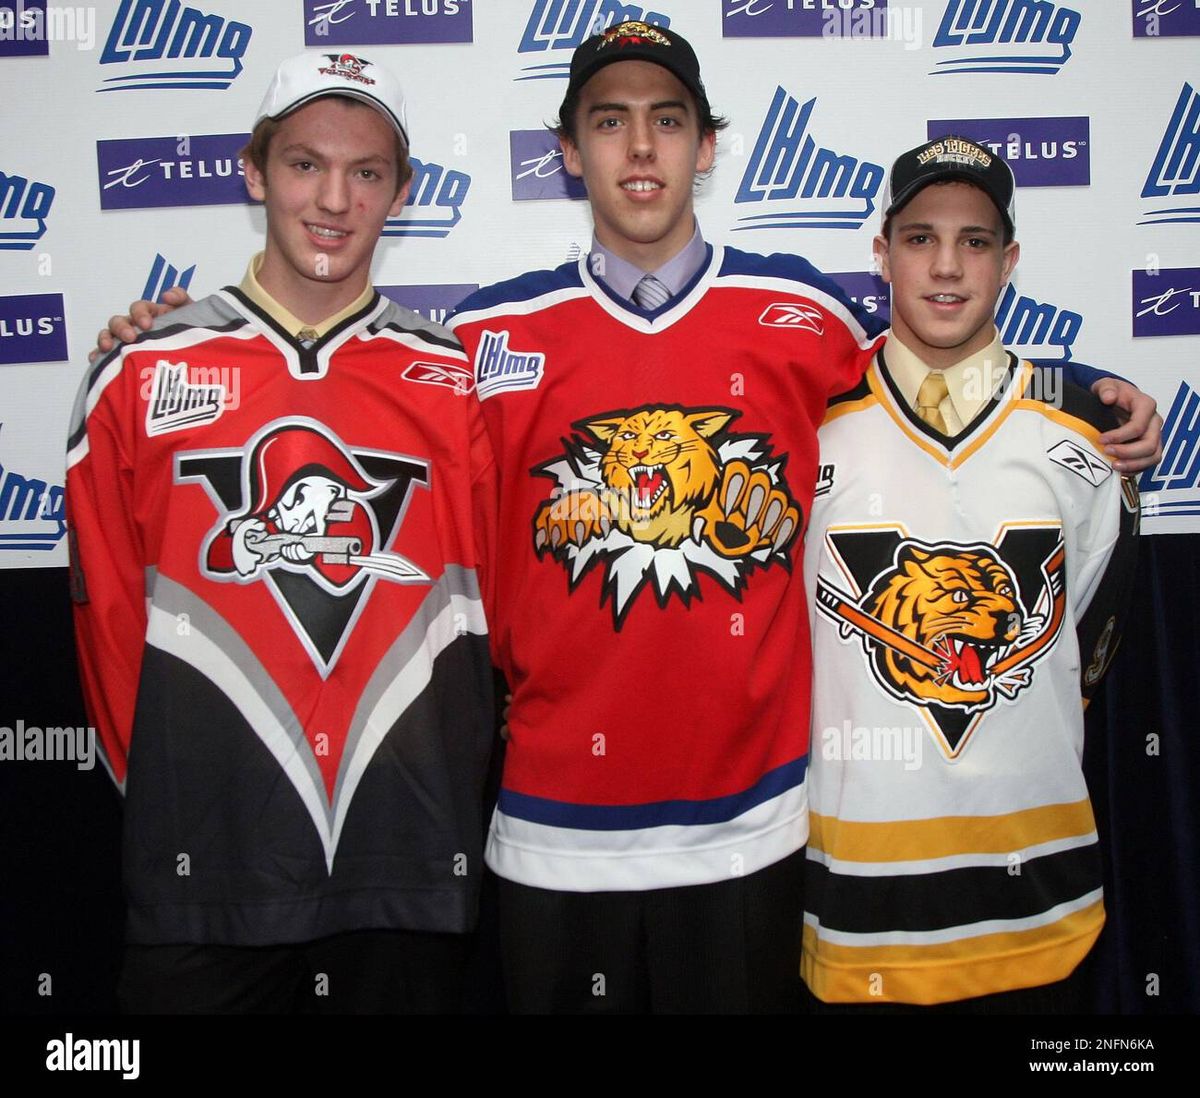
{"type": "Point", "coordinates": [362, 972]}
{"type": "Point", "coordinates": [728, 947]}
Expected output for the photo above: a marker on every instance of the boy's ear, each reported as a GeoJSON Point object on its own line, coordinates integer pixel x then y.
{"type": "Point", "coordinates": [571, 159]}
{"type": "Point", "coordinates": [1012, 252]}
{"type": "Point", "coordinates": [882, 259]}
{"type": "Point", "coordinates": [400, 200]}
{"type": "Point", "coordinates": [256, 182]}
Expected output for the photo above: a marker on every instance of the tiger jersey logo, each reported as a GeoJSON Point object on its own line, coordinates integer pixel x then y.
{"type": "Point", "coordinates": [310, 517]}
{"type": "Point", "coordinates": [951, 628]}
{"type": "Point", "coordinates": [661, 493]}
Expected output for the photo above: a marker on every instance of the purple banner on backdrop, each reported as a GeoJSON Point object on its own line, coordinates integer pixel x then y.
{"type": "Point", "coordinates": [803, 18]}
{"type": "Point", "coordinates": [32, 329]}
{"type": "Point", "coordinates": [386, 22]}
{"type": "Point", "coordinates": [433, 301]}
{"type": "Point", "coordinates": [1166, 18]}
{"type": "Point", "coordinates": [23, 28]}
{"type": "Point", "coordinates": [1042, 152]}
{"type": "Point", "coordinates": [142, 172]}
{"type": "Point", "coordinates": [868, 290]}
{"type": "Point", "coordinates": [1167, 303]}
{"type": "Point", "coordinates": [537, 168]}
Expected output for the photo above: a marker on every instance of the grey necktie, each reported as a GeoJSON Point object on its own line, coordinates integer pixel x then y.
{"type": "Point", "coordinates": [650, 294]}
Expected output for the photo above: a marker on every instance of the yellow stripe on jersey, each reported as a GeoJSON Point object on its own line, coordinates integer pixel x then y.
{"type": "Point", "coordinates": [846, 407]}
{"type": "Point", "coordinates": [943, 836]}
{"type": "Point", "coordinates": [946, 971]}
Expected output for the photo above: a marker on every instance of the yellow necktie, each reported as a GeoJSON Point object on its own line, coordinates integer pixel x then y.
{"type": "Point", "coordinates": [931, 394]}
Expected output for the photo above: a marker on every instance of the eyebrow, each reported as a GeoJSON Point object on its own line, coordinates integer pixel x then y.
{"type": "Point", "coordinates": [308, 150]}
{"type": "Point", "coordinates": [662, 105]}
{"type": "Point", "coordinates": [926, 226]}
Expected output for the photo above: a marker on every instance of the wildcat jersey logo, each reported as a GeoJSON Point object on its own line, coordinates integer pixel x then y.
{"type": "Point", "coordinates": [953, 629]}
{"type": "Point", "coordinates": [302, 512]}
{"type": "Point", "coordinates": [660, 494]}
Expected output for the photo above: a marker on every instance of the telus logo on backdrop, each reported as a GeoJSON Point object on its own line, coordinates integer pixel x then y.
{"type": "Point", "coordinates": [1166, 18]}
{"type": "Point", "coordinates": [32, 329]}
{"type": "Point", "coordinates": [868, 289]}
{"type": "Point", "coordinates": [824, 189]}
{"type": "Point", "coordinates": [1175, 173]}
{"type": "Point", "coordinates": [813, 18]}
{"type": "Point", "coordinates": [1042, 152]}
{"type": "Point", "coordinates": [142, 172]}
{"type": "Point", "coordinates": [24, 206]}
{"type": "Point", "coordinates": [1166, 302]}
{"type": "Point", "coordinates": [537, 168]}
{"type": "Point", "coordinates": [1030, 36]}
{"type": "Point", "coordinates": [557, 25]}
{"type": "Point", "coordinates": [386, 22]}
{"type": "Point", "coordinates": [163, 44]}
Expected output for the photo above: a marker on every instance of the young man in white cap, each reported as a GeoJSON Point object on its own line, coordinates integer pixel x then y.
{"type": "Point", "coordinates": [969, 568]}
{"type": "Point", "coordinates": [278, 501]}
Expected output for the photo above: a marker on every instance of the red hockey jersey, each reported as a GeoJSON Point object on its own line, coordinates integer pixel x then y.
{"type": "Point", "coordinates": [657, 471]}
{"type": "Point", "coordinates": [276, 552]}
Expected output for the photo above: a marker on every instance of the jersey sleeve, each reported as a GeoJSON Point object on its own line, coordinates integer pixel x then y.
{"type": "Point", "coordinates": [107, 566]}
{"type": "Point", "coordinates": [1108, 583]}
{"type": "Point", "coordinates": [485, 490]}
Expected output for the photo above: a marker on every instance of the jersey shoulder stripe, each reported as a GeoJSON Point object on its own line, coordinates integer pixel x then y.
{"type": "Point", "coordinates": [403, 321]}
{"type": "Point", "coordinates": [523, 288]}
{"type": "Point", "coordinates": [1051, 386]}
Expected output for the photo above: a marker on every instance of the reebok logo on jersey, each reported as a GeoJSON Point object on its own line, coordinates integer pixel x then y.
{"type": "Point", "coordinates": [950, 628]}
{"type": "Point", "coordinates": [1073, 457]}
{"type": "Point", "coordinates": [1029, 36]}
{"type": "Point", "coordinates": [501, 369]}
{"type": "Point", "coordinates": [458, 378]}
{"type": "Point", "coordinates": [660, 494]}
{"type": "Point", "coordinates": [1175, 172]}
{"type": "Point", "coordinates": [786, 314]}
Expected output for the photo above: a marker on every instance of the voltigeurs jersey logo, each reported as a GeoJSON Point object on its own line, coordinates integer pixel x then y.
{"type": "Point", "coordinates": [561, 25]}
{"type": "Point", "coordinates": [951, 628]}
{"type": "Point", "coordinates": [1030, 36]}
{"type": "Point", "coordinates": [312, 518]}
{"type": "Point", "coordinates": [660, 494]}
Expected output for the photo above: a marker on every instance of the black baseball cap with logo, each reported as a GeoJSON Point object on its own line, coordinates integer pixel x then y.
{"type": "Point", "coordinates": [951, 158]}
{"type": "Point", "coordinates": [637, 41]}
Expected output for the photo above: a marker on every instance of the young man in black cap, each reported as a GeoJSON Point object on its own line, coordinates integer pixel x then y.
{"type": "Point", "coordinates": [968, 572]}
{"type": "Point", "coordinates": [275, 541]}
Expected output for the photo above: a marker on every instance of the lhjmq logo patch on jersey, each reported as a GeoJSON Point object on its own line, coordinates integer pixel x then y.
{"type": "Point", "coordinates": [302, 512]}
{"type": "Point", "coordinates": [661, 493]}
{"type": "Point", "coordinates": [953, 629]}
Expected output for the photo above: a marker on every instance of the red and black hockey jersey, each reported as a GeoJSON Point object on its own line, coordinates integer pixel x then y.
{"type": "Point", "coordinates": [656, 475]}
{"type": "Point", "coordinates": [276, 557]}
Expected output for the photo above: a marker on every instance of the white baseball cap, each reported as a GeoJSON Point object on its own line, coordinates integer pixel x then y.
{"type": "Point", "coordinates": [300, 80]}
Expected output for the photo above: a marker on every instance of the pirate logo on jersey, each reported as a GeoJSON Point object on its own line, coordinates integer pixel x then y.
{"type": "Point", "coordinates": [302, 512]}
{"type": "Point", "coordinates": [661, 493]}
{"type": "Point", "coordinates": [951, 628]}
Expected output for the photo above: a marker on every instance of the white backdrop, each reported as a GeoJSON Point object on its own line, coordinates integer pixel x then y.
{"type": "Point", "coordinates": [1101, 125]}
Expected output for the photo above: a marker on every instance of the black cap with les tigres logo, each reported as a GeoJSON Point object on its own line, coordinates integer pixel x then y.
{"type": "Point", "coordinates": [951, 158]}
{"type": "Point", "coordinates": [637, 41]}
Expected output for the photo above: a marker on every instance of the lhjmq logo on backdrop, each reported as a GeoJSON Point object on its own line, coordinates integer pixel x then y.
{"type": "Point", "coordinates": [1165, 18]}
{"type": "Point", "coordinates": [169, 45]}
{"type": "Point", "coordinates": [561, 25]}
{"type": "Point", "coordinates": [1042, 152]}
{"type": "Point", "coordinates": [537, 168]}
{"type": "Point", "coordinates": [434, 204]}
{"type": "Point", "coordinates": [1027, 36]}
{"type": "Point", "coordinates": [33, 515]}
{"type": "Point", "coordinates": [1172, 487]}
{"type": "Point", "coordinates": [386, 22]}
{"type": "Point", "coordinates": [24, 206]}
{"type": "Point", "coordinates": [1175, 173]}
{"type": "Point", "coordinates": [822, 189]}
{"type": "Point", "coordinates": [163, 276]}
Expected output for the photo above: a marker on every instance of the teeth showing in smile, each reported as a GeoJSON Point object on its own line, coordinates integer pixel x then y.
{"type": "Point", "coordinates": [945, 299]}
{"type": "Point", "coordinates": [641, 185]}
{"type": "Point", "coordinates": [649, 483]}
{"type": "Point", "coordinates": [320, 230]}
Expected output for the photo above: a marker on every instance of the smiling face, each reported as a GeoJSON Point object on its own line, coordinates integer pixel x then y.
{"type": "Point", "coordinates": [946, 261]}
{"type": "Point", "coordinates": [638, 147]}
{"type": "Point", "coordinates": [329, 186]}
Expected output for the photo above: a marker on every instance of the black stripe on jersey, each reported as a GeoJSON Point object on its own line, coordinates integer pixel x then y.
{"type": "Point", "coordinates": [1050, 385]}
{"type": "Point", "coordinates": [952, 897]}
{"type": "Point", "coordinates": [980, 420]}
{"type": "Point", "coordinates": [422, 333]}
{"type": "Point", "coordinates": [859, 392]}
{"type": "Point", "coordinates": [166, 332]}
